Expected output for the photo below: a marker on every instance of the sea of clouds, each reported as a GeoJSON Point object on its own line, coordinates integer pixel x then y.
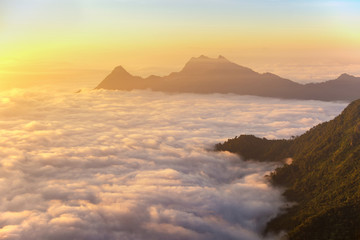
{"type": "Point", "coordinates": [136, 165]}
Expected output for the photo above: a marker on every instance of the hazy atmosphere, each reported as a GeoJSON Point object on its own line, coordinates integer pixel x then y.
{"type": "Point", "coordinates": [80, 41]}
{"type": "Point", "coordinates": [179, 119]}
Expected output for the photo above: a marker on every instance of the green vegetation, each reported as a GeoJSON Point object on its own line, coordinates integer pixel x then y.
{"type": "Point", "coordinates": [324, 178]}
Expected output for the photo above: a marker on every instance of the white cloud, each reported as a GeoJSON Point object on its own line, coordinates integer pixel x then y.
{"type": "Point", "coordinates": [136, 165]}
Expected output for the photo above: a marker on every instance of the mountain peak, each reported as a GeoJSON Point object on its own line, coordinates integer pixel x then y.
{"type": "Point", "coordinates": [208, 59]}
{"type": "Point", "coordinates": [345, 76]}
{"type": "Point", "coordinates": [119, 70]}
{"type": "Point", "coordinates": [204, 64]}
{"type": "Point", "coordinates": [119, 76]}
{"type": "Point", "coordinates": [203, 57]}
{"type": "Point", "coordinates": [204, 60]}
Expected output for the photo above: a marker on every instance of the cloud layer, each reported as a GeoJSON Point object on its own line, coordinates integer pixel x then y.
{"type": "Point", "coordinates": [135, 165]}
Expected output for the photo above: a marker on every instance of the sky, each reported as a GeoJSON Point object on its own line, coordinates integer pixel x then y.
{"type": "Point", "coordinates": [79, 42]}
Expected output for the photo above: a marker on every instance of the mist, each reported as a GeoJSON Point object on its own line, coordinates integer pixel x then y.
{"type": "Point", "coordinates": [137, 165]}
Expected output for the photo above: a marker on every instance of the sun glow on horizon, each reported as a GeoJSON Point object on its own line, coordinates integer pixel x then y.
{"type": "Point", "coordinates": [69, 40]}
{"type": "Point", "coordinates": [90, 150]}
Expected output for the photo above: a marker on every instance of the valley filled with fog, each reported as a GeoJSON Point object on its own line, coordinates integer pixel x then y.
{"type": "Point", "coordinates": [138, 165]}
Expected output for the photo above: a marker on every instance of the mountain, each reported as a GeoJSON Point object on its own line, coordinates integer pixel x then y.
{"type": "Point", "coordinates": [205, 75]}
{"type": "Point", "coordinates": [345, 87]}
{"type": "Point", "coordinates": [120, 77]}
{"type": "Point", "coordinates": [219, 75]}
{"type": "Point", "coordinates": [323, 179]}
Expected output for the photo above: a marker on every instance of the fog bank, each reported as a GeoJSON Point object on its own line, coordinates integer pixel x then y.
{"type": "Point", "coordinates": [134, 165]}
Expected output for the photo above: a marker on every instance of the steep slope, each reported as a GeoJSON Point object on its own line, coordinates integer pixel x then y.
{"type": "Point", "coordinates": [120, 77]}
{"type": "Point", "coordinates": [324, 178]}
{"type": "Point", "coordinates": [219, 75]}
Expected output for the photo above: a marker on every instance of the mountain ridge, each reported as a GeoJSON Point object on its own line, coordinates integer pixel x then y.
{"type": "Point", "coordinates": [219, 75]}
{"type": "Point", "coordinates": [323, 179]}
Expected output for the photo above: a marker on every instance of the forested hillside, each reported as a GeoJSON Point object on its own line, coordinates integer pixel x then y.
{"type": "Point", "coordinates": [324, 178]}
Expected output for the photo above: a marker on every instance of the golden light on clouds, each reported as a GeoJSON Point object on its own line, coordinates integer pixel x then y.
{"type": "Point", "coordinates": [114, 165]}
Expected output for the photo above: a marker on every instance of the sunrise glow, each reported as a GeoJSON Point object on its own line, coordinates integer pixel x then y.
{"type": "Point", "coordinates": [57, 41]}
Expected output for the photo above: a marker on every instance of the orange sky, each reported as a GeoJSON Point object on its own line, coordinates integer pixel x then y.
{"type": "Point", "coordinates": [78, 42]}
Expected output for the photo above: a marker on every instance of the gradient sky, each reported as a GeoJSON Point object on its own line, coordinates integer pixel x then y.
{"type": "Point", "coordinates": [80, 41]}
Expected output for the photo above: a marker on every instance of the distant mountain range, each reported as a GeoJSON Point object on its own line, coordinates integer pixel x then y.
{"type": "Point", "coordinates": [323, 179]}
{"type": "Point", "coordinates": [219, 75]}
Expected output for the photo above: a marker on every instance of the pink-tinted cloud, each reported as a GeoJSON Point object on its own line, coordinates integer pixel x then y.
{"type": "Point", "coordinates": [136, 165]}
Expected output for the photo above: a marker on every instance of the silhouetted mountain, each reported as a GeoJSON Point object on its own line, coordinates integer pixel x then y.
{"type": "Point", "coordinates": [219, 75]}
{"type": "Point", "coordinates": [324, 178]}
{"type": "Point", "coordinates": [120, 77]}
{"type": "Point", "coordinates": [345, 87]}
